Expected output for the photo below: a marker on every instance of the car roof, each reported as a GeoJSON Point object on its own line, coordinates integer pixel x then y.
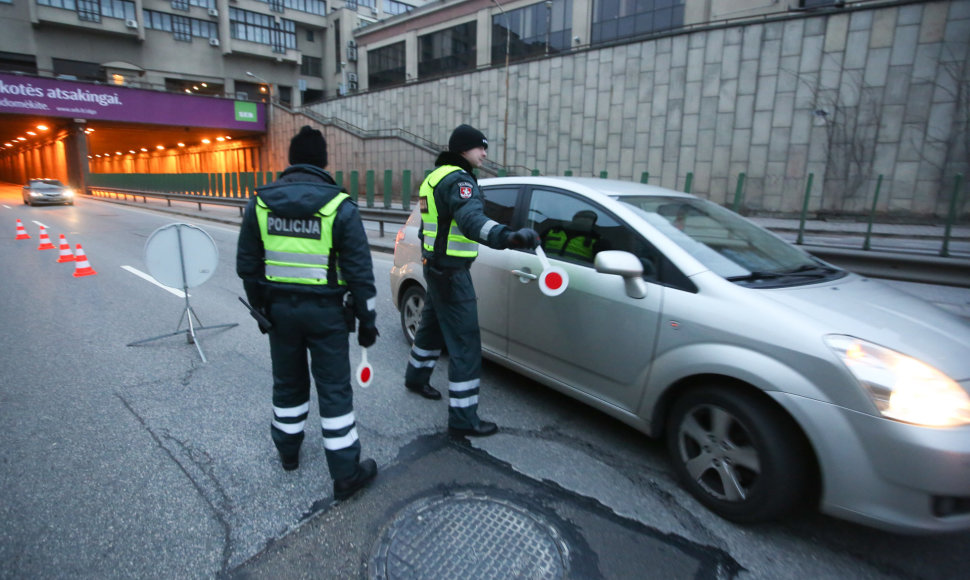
{"type": "Point", "coordinates": [609, 187]}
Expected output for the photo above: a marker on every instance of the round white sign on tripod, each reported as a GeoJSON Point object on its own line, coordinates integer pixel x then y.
{"type": "Point", "coordinates": [181, 256]}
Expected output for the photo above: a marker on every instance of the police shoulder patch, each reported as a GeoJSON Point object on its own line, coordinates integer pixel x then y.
{"type": "Point", "coordinates": [464, 189]}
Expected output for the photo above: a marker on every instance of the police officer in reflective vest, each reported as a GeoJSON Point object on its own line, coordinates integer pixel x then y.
{"type": "Point", "coordinates": [301, 247]}
{"type": "Point", "coordinates": [453, 223]}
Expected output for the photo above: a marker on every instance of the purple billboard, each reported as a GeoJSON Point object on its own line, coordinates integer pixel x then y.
{"type": "Point", "coordinates": [56, 98]}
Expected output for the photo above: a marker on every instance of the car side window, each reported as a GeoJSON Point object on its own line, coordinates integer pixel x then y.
{"type": "Point", "coordinates": [500, 203]}
{"type": "Point", "coordinates": [575, 230]}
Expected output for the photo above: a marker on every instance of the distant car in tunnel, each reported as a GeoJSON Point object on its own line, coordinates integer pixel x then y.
{"type": "Point", "coordinates": [39, 191]}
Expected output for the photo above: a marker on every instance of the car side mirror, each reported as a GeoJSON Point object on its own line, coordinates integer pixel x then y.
{"type": "Point", "coordinates": [626, 265]}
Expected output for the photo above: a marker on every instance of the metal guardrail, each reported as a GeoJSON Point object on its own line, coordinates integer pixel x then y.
{"type": "Point", "coordinates": [381, 216]}
{"type": "Point", "coordinates": [907, 267]}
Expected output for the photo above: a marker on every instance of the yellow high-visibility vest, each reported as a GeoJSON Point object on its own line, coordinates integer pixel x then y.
{"type": "Point", "coordinates": [458, 245]}
{"type": "Point", "coordinates": [298, 249]}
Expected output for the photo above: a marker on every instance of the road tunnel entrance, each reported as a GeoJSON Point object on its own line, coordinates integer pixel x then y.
{"type": "Point", "coordinates": [67, 130]}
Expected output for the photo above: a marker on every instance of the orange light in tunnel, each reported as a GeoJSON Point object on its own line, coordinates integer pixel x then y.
{"type": "Point", "coordinates": [159, 147]}
{"type": "Point", "coordinates": [117, 152]}
{"type": "Point", "coordinates": [220, 138]}
{"type": "Point", "coordinates": [31, 133]}
{"type": "Point", "coordinates": [132, 151]}
{"type": "Point", "coordinates": [41, 127]}
{"type": "Point", "coordinates": [206, 141]}
{"type": "Point", "coordinates": [144, 150]}
{"type": "Point", "coordinates": [181, 144]}
{"type": "Point", "coordinates": [21, 138]}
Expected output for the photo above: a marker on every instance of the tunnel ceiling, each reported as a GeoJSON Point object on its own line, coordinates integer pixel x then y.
{"type": "Point", "coordinates": [110, 137]}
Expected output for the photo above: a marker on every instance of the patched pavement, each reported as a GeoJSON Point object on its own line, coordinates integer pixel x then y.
{"type": "Point", "coordinates": [443, 509]}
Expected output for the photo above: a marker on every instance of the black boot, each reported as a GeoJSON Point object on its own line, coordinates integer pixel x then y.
{"type": "Point", "coordinates": [426, 391]}
{"type": "Point", "coordinates": [290, 462]}
{"type": "Point", "coordinates": [344, 488]}
{"type": "Point", "coordinates": [484, 429]}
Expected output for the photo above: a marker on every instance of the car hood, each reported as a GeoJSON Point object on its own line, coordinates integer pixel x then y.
{"type": "Point", "coordinates": [878, 313]}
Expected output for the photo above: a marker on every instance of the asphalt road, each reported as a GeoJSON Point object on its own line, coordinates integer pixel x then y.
{"type": "Point", "coordinates": [123, 462]}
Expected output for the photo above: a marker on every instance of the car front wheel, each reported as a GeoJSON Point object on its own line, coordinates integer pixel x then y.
{"type": "Point", "coordinates": [412, 303]}
{"type": "Point", "coordinates": [739, 456]}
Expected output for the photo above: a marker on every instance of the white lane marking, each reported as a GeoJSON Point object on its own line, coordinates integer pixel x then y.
{"type": "Point", "coordinates": [148, 277]}
{"type": "Point", "coordinates": [39, 224]}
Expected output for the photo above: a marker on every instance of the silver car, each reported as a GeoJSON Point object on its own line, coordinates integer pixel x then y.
{"type": "Point", "coordinates": [777, 380]}
{"type": "Point", "coordinates": [38, 191]}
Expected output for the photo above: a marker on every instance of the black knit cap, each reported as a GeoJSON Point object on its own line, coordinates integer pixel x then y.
{"type": "Point", "coordinates": [309, 147]}
{"type": "Point", "coordinates": [466, 137]}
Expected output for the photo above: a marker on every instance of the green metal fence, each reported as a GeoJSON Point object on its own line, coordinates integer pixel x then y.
{"type": "Point", "coordinates": [243, 185]}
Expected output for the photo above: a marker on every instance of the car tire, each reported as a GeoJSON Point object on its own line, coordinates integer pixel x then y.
{"type": "Point", "coordinates": [412, 303]}
{"type": "Point", "coordinates": [738, 455]}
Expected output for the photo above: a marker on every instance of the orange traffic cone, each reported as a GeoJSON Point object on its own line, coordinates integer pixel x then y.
{"type": "Point", "coordinates": [22, 231]}
{"type": "Point", "coordinates": [83, 268]}
{"type": "Point", "coordinates": [66, 254]}
{"type": "Point", "coordinates": [45, 241]}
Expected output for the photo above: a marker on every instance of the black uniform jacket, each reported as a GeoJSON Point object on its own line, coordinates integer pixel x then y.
{"type": "Point", "coordinates": [289, 197]}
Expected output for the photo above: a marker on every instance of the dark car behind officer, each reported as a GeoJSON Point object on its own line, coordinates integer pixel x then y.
{"type": "Point", "coordinates": [301, 247]}
{"type": "Point", "coordinates": [453, 223]}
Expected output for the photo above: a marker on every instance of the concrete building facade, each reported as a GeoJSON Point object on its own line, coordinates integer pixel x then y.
{"type": "Point", "coordinates": [845, 93]}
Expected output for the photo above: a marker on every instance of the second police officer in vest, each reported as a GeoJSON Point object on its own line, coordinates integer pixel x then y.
{"type": "Point", "coordinates": [453, 224]}
{"type": "Point", "coordinates": [301, 247]}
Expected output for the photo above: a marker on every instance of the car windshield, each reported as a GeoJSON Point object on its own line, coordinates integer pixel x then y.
{"type": "Point", "coordinates": [47, 182]}
{"type": "Point", "coordinates": [729, 245]}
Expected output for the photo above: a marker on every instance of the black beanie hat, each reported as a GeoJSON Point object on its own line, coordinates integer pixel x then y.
{"type": "Point", "coordinates": [309, 147]}
{"type": "Point", "coordinates": [466, 137]}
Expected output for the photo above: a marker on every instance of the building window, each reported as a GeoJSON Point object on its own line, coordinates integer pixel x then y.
{"type": "Point", "coordinates": [13, 62]}
{"type": "Point", "coordinates": [121, 9]}
{"type": "Point", "coordinates": [180, 5]}
{"type": "Point", "coordinates": [336, 44]}
{"type": "Point", "coordinates": [531, 28]}
{"type": "Point", "coordinates": [262, 29]}
{"type": "Point", "coordinates": [392, 8]}
{"type": "Point", "coordinates": [182, 27]}
{"type": "Point", "coordinates": [78, 70]}
{"type": "Point", "coordinates": [386, 66]}
{"type": "Point", "coordinates": [191, 87]}
{"type": "Point", "coordinates": [447, 51]}
{"type": "Point", "coordinates": [311, 66]}
{"type": "Point", "coordinates": [318, 7]}
{"type": "Point", "coordinates": [817, 3]}
{"type": "Point", "coordinates": [617, 19]}
{"type": "Point", "coordinates": [89, 10]}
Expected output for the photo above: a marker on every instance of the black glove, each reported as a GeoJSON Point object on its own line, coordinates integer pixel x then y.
{"type": "Point", "coordinates": [367, 335]}
{"type": "Point", "coordinates": [526, 238]}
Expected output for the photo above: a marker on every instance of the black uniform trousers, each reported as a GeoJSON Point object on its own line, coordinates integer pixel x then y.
{"type": "Point", "coordinates": [450, 318]}
{"type": "Point", "coordinates": [314, 323]}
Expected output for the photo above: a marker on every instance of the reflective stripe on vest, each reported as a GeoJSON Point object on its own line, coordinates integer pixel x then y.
{"type": "Point", "coordinates": [298, 251]}
{"type": "Point", "coordinates": [458, 245]}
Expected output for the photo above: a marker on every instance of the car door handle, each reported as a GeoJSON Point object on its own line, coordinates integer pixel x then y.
{"type": "Point", "coordinates": [524, 275]}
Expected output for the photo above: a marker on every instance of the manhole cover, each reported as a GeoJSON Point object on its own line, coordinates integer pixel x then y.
{"type": "Point", "coordinates": [468, 535]}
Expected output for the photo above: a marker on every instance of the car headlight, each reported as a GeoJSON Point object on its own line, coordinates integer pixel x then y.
{"type": "Point", "coordinates": [69, 192]}
{"type": "Point", "coordinates": [903, 388]}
